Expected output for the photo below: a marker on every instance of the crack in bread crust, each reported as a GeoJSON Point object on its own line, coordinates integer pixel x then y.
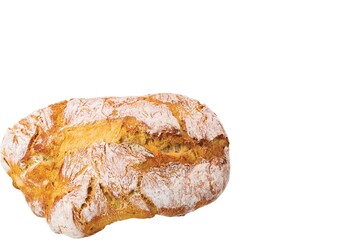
{"type": "Point", "coordinates": [101, 160]}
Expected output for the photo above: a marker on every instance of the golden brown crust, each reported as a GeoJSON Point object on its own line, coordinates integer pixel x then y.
{"type": "Point", "coordinates": [85, 163]}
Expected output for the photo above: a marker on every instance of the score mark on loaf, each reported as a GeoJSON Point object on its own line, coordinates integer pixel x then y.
{"type": "Point", "coordinates": [85, 163]}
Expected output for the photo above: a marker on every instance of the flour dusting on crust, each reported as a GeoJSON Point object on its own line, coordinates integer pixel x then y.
{"type": "Point", "coordinates": [156, 117]}
{"type": "Point", "coordinates": [62, 215]}
{"type": "Point", "coordinates": [16, 140]}
{"type": "Point", "coordinates": [201, 122]}
{"type": "Point", "coordinates": [175, 186]}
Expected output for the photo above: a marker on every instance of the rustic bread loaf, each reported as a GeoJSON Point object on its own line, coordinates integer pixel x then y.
{"type": "Point", "coordinates": [85, 163]}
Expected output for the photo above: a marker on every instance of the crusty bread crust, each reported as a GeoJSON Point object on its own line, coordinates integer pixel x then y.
{"type": "Point", "coordinates": [85, 163]}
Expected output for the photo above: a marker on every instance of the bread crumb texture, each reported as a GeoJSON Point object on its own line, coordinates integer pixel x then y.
{"type": "Point", "coordinates": [85, 163]}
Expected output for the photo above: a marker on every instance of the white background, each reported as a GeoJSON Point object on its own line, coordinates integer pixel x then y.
{"type": "Point", "coordinates": [282, 76]}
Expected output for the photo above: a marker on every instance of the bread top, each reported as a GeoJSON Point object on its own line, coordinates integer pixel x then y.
{"type": "Point", "coordinates": [65, 159]}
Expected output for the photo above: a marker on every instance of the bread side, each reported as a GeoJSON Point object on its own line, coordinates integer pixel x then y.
{"type": "Point", "coordinates": [85, 163]}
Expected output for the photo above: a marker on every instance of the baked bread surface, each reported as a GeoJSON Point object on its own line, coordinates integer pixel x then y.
{"type": "Point", "coordinates": [85, 163]}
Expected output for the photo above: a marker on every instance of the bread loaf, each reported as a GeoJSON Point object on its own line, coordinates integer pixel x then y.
{"type": "Point", "coordinates": [85, 163]}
